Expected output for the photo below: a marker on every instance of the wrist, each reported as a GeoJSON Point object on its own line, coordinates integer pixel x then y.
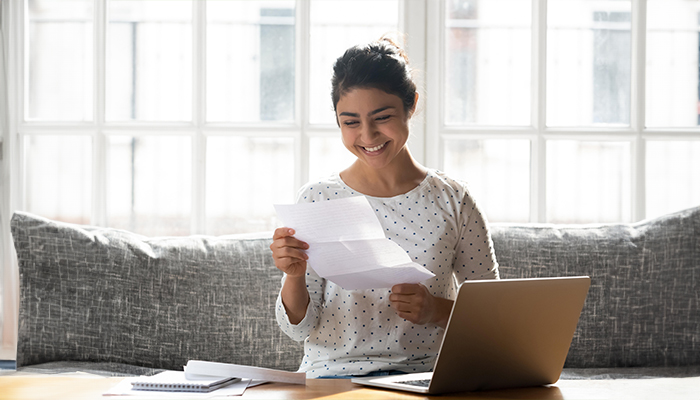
{"type": "Point", "coordinates": [296, 278]}
{"type": "Point", "coordinates": [442, 312]}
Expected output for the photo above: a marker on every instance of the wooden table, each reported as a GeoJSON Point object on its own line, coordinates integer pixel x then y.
{"type": "Point", "coordinates": [76, 387]}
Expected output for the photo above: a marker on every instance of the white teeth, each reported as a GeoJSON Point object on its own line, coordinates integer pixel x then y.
{"type": "Point", "coordinates": [373, 149]}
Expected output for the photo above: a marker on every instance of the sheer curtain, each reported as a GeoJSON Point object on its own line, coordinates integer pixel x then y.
{"type": "Point", "coordinates": [8, 268]}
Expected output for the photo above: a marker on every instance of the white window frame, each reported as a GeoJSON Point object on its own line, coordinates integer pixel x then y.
{"type": "Point", "coordinates": [411, 21]}
{"type": "Point", "coordinates": [422, 21]}
{"type": "Point", "coordinates": [637, 135]}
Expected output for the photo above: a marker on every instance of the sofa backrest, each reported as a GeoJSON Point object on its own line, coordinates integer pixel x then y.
{"type": "Point", "coordinates": [642, 308]}
{"type": "Point", "coordinates": [107, 295]}
{"type": "Point", "coordinates": [98, 294]}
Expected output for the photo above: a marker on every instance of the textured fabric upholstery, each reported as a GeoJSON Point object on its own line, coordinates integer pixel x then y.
{"type": "Point", "coordinates": [106, 295]}
{"type": "Point", "coordinates": [642, 308]}
{"type": "Point", "coordinates": [110, 296]}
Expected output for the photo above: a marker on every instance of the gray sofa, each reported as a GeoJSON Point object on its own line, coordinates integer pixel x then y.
{"type": "Point", "coordinates": [112, 302]}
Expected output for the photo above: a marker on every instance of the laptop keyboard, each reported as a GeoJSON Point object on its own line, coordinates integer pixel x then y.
{"type": "Point", "coordinates": [417, 382]}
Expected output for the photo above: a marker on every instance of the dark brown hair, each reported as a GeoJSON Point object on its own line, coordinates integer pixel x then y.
{"type": "Point", "coordinates": [380, 65]}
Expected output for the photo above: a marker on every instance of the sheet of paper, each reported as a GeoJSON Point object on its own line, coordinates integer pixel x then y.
{"type": "Point", "coordinates": [347, 244]}
{"type": "Point", "coordinates": [332, 220]}
{"type": "Point", "coordinates": [197, 369]}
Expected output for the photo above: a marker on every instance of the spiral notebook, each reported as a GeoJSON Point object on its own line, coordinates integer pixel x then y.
{"type": "Point", "coordinates": [175, 381]}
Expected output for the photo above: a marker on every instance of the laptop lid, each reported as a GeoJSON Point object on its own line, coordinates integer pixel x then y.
{"type": "Point", "coordinates": [504, 333]}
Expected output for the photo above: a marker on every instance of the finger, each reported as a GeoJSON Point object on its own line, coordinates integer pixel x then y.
{"type": "Point", "coordinates": [400, 298]}
{"type": "Point", "coordinates": [294, 242]}
{"type": "Point", "coordinates": [403, 307]}
{"type": "Point", "coordinates": [404, 288]}
{"type": "Point", "coordinates": [288, 242]}
{"type": "Point", "coordinates": [290, 252]}
{"type": "Point", "coordinates": [282, 232]}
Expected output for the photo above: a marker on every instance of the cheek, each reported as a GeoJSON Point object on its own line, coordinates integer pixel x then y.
{"type": "Point", "coordinates": [347, 138]}
{"type": "Point", "coordinates": [401, 133]}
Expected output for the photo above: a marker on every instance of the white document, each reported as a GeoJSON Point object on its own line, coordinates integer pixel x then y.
{"type": "Point", "coordinates": [347, 244]}
{"type": "Point", "coordinates": [196, 369]}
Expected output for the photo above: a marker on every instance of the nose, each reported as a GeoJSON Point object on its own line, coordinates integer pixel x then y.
{"type": "Point", "coordinates": [369, 131]}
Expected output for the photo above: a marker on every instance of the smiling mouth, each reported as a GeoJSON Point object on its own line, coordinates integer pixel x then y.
{"type": "Point", "coordinates": [375, 148]}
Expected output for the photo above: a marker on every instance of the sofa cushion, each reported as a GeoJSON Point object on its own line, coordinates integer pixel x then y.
{"type": "Point", "coordinates": [107, 295]}
{"type": "Point", "coordinates": [642, 308]}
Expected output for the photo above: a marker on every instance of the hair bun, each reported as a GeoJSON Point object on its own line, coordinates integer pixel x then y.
{"type": "Point", "coordinates": [388, 39]}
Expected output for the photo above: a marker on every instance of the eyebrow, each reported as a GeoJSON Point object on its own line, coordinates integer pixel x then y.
{"type": "Point", "coordinates": [356, 115]}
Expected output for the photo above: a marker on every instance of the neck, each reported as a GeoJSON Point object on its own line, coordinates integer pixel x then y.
{"type": "Point", "coordinates": [399, 177]}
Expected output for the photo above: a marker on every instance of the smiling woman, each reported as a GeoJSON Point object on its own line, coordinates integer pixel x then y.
{"type": "Point", "coordinates": [428, 214]}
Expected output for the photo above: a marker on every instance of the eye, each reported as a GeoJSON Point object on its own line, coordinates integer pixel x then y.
{"type": "Point", "coordinates": [383, 118]}
{"type": "Point", "coordinates": [350, 123]}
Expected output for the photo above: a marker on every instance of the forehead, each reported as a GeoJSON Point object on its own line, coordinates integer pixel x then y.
{"type": "Point", "coordinates": [367, 99]}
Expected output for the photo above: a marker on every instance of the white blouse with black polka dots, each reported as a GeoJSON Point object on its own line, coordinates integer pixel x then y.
{"type": "Point", "coordinates": [355, 332]}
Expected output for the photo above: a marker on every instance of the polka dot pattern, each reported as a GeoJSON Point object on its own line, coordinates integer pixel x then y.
{"type": "Point", "coordinates": [354, 332]}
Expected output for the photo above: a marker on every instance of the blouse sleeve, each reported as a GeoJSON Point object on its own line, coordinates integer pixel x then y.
{"type": "Point", "coordinates": [300, 331]}
{"type": "Point", "coordinates": [474, 254]}
{"type": "Point", "coordinates": [314, 285]}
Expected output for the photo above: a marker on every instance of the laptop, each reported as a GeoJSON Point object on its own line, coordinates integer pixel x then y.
{"type": "Point", "coordinates": [501, 334]}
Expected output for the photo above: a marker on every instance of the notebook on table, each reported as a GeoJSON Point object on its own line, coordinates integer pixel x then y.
{"type": "Point", "coordinates": [501, 334]}
{"type": "Point", "coordinates": [175, 381]}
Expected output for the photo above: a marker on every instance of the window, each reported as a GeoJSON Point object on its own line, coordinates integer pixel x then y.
{"type": "Point", "coordinates": [186, 116]}
{"type": "Point", "coordinates": [567, 111]}
{"type": "Point", "coordinates": [179, 117]}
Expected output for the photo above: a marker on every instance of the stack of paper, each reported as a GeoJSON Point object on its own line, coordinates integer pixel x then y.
{"type": "Point", "coordinates": [206, 369]}
{"type": "Point", "coordinates": [204, 374]}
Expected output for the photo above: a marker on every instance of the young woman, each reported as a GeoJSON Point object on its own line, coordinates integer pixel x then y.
{"type": "Point", "coordinates": [431, 216]}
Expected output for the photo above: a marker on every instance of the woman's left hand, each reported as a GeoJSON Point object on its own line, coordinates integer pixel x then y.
{"type": "Point", "coordinates": [415, 303]}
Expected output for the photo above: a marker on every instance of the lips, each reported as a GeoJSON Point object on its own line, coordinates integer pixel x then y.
{"type": "Point", "coordinates": [375, 148]}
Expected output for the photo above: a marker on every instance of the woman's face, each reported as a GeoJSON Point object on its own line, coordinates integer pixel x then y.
{"type": "Point", "coordinates": [374, 125]}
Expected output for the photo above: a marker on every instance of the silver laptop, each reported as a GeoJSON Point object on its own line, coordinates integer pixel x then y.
{"type": "Point", "coordinates": [501, 334]}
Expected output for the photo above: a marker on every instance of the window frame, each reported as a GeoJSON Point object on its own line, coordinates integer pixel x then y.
{"type": "Point", "coordinates": [422, 21]}
{"type": "Point", "coordinates": [538, 133]}
{"type": "Point", "coordinates": [12, 172]}
{"type": "Point", "coordinates": [301, 130]}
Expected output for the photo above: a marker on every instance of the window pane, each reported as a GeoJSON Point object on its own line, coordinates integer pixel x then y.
{"type": "Point", "coordinates": [673, 173]}
{"type": "Point", "coordinates": [149, 60]}
{"type": "Point", "coordinates": [336, 26]}
{"type": "Point", "coordinates": [250, 60]}
{"type": "Point", "coordinates": [497, 173]}
{"type": "Point", "coordinates": [59, 177]}
{"type": "Point", "coordinates": [149, 184]}
{"type": "Point", "coordinates": [487, 62]}
{"type": "Point", "coordinates": [588, 182]}
{"type": "Point", "coordinates": [588, 62]}
{"type": "Point", "coordinates": [673, 63]}
{"type": "Point", "coordinates": [60, 60]}
{"type": "Point", "coordinates": [245, 177]}
{"type": "Point", "coordinates": [328, 155]}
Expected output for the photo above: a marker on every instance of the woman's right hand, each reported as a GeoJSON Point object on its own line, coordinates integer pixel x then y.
{"type": "Point", "coordinates": [288, 252]}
